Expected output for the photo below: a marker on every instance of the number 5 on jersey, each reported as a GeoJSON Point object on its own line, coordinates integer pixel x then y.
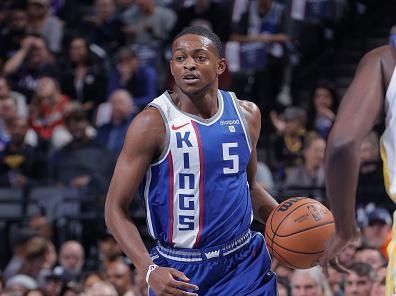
{"type": "Point", "coordinates": [228, 156]}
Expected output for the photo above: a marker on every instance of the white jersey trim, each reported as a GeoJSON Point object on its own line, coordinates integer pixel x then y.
{"type": "Point", "coordinates": [200, 120]}
{"type": "Point", "coordinates": [243, 120]}
{"type": "Point", "coordinates": [146, 197]}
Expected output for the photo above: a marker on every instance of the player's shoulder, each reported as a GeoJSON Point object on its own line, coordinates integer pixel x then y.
{"type": "Point", "coordinates": [252, 115]}
{"type": "Point", "coordinates": [249, 109]}
{"type": "Point", "coordinates": [148, 123]}
{"type": "Point", "coordinates": [381, 54]}
{"type": "Point", "coordinates": [147, 130]}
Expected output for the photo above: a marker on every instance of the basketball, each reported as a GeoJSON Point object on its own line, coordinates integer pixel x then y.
{"type": "Point", "coordinates": [297, 230]}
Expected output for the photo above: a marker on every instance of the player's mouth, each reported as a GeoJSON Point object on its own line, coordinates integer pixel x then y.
{"type": "Point", "coordinates": [191, 77]}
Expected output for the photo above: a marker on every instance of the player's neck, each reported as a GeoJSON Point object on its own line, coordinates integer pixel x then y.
{"type": "Point", "coordinates": [204, 105]}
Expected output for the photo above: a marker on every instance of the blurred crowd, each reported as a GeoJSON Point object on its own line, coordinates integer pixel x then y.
{"type": "Point", "coordinates": [73, 74]}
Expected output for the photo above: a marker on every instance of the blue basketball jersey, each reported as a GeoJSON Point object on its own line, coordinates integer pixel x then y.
{"type": "Point", "coordinates": [196, 193]}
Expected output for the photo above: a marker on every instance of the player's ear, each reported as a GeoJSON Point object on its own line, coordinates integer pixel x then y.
{"type": "Point", "coordinates": [221, 66]}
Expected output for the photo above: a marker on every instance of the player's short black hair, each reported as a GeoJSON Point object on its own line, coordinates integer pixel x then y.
{"type": "Point", "coordinates": [205, 32]}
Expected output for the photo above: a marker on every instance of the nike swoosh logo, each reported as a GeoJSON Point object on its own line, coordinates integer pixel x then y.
{"type": "Point", "coordinates": [175, 128]}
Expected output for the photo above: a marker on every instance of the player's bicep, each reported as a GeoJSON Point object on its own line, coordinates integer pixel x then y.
{"type": "Point", "coordinates": [141, 145]}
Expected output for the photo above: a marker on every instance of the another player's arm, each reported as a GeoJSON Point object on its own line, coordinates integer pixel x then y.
{"type": "Point", "coordinates": [360, 108]}
{"type": "Point", "coordinates": [262, 202]}
{"type": "Point", "coordinates": [143, 142]}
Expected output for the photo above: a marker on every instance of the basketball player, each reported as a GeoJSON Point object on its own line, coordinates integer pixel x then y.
{"type": "Point", "coordinates": [193, 152]}
{"type": "Point", "coordinates": [371, 94]}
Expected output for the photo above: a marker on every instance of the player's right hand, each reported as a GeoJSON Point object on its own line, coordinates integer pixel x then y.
{"type": "Point", "coordinates": [166, 281]}
{"type": "Point", "coordinates": [333, 247]}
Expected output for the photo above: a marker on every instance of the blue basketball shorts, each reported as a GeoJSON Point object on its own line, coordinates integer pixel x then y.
{"type": "Point", "coordinates": [241, 267]}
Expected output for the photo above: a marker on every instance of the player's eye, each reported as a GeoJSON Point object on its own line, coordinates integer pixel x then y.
{"type": "Point", "coordinates": [201, 58]}
{"type": "Point", "coordinates": [179, 58]}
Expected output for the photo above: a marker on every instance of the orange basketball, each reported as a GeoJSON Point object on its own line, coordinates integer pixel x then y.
{"type": "Point", "coordinates": [297, 230]}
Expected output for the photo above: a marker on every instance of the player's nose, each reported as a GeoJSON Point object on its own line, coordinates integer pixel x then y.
{"type": "Point", "coordinates": [189, 63]}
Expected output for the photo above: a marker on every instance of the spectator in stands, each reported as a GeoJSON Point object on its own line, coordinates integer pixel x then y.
{"type": "Point", "coordinates": [263, 22]}
{"type": "Point", "coordinates": [1, 282]}
{"type": "Point", "coordinates": [335, 280]}
{"type": "Point", "coordinates": [103, 28]}
{"type": "Point", "coordinates": [8, 114]}
{"type": "Point", "coordinates": [84, 78]}
{"type": "Point", "coordinates": [76, 164]}
{"type": "Point", "coordinates": [371, 181]}
{"type": "Point", "coordinates": [378, 288]}
{"type": "Point", "coordinates": [109, 251]}
{"type": "Point", "coordinates": [47, 108]}
{"type": "Point", "coordinates": [54, 281]}
{"type": "Point", "coordinates": [71, 258]}
{"type": "Point", "coordinates": [149, 24]}
{"type": "Point", "coordinates": [36, 292]}
{"type": "Point", "coordinates": [141, 288]}
{"type": "Point", "coordinates": [283, 286]}
{"type": "Point", "coordinates": [213, 14]}
{"type": "Point", "coordinates": [377, 230]}
{"type": "Point", "coordinates": [41, 21]}
{"type": "Point", "coordinates": [102, 288]}
{"type": "Point", "coordinates": [289, 142]}
{"type": "Point", "coordinates": [359, 280]}
{"type": "Point", "coordinates": [41, 225]}
{"type": "Point", "coordinates": [13, 34]}
{"type": "Point", "coordinates": [309, 282]}
{"type": "Point", "coordinates": [311, 172]}
{"type": "Point", "coordinates": [140, 81]}
{"type": "Point", "coordinates": [20, 163]}
{"type": "Point", "coordinates": [19, 239]}
{"type": "Point", "coordinates": [369, 255]}
{"type": "Point", "coordinates": [258, 21]}
{"type": "Point", "coordinates": [112, 134]}
{"type": "Point", "coordinates": [38, 259]}
{"type": "Point", "coordinates": [124, 7]}
{"type": "Point", "coordinates": [71, 289]}
{"type": "Point", "coordinates": [119, 275]}
{"type": "Point", "coordinates": [20, 284]}
{"type": "Point", "coordinates": [90, 278]}
{"type": "Point", "coordinates": [32, 61]}
{"type": "Point", "coordinates": [322, 109]}
{"type": "Point", "coordinates": [264, 176]}
{"type": "Point", "coordinates": [20, 99]}
{"type": "Point", "coordinates": [281, 270]}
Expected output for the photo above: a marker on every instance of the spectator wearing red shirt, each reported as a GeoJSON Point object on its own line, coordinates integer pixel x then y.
{"type": "Point", "coordinates": [47, 108]}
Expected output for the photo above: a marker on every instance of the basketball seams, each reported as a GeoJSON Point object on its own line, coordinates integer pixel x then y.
{"type": "Point", "coordinates": [273, 234]}
{"type": "Point", "coordinates": [284, 218]}
{"type": "Point", "coordinates": [284, 222]}
{"type": "Point", "coordinates": [306, 229]}
{"type": "Point", "coordinates": [284, 260]}
{"type": "Point", "coordinates": [297, 252]}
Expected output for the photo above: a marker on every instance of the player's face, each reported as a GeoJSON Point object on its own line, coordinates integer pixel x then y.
{"type": "Point", "coordinates": [195, 64]}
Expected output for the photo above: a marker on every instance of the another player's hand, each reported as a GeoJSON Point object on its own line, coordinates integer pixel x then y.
{"type": "Point", "coordinates": [334, 246]}
{"type": "Point", "coordinates": [169, 281]}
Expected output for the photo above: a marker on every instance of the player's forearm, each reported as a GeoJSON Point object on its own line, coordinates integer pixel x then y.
{"type": "Point", "coordinates": [127, 236]}
{"type": "Point", "coordinates": [342, 167]}
{"type": "Point", "coordinates": [262, 202]}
